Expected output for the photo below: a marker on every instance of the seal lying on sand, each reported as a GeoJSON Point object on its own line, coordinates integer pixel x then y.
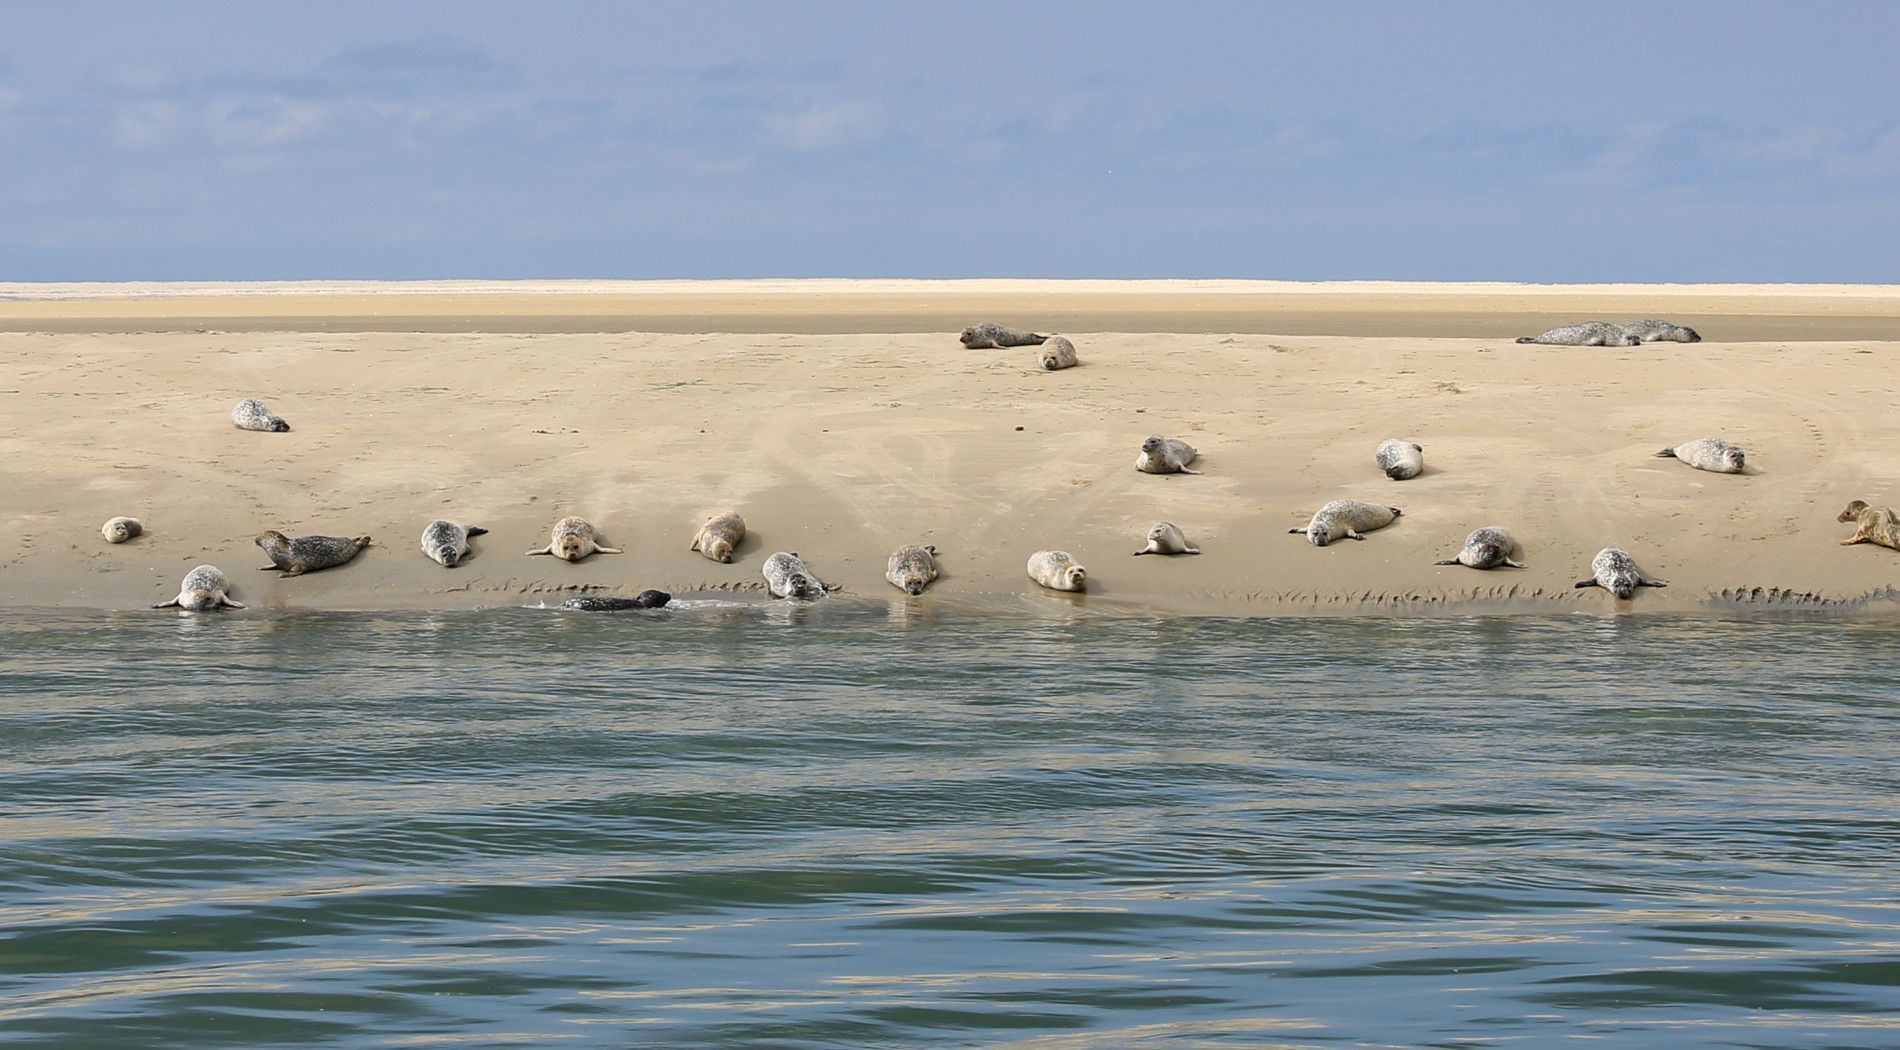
{"type": "Point", "coordinates": [1589, 333]}
{"type": "Point", "coordinates": [1876, 525]}
{"type": "Point", "coordinates": [912, 568]}
{"type": "Point", "coordinates": [1161, 455]}
{"type": "Point", "coordinates": [1400, 459]}
{"type": "Point", "coordinates": [307, 553]}
{"type": "Point", "coordinates": [250, 414]}
{"type": "Point", "coordinates": [1058, 571]}
{"type": "Point", "coordinates": [648, 599]}
{"type": "Point", "coordinates": [1346, 518]}
{"type": "Point", "coordinates": [787, 577]}
{"type": "Point", "coordinates": [118, 530]}
{"type": "Point", "coordinates": [986, 336]}
{"type": "Point", "coordinates": [204, 589]}
{"type": "Point", "coordinates": [1057, 353]}
{"type": "Point", "coordinates": [717, 538]}
{"type": "Point", "coordinates": [447, 542]}
{"type": "Point", "coordinates": [573, 539]}
{"type": "Point", "coordinates": [1166, 538]}
{"type": "Point", "coordinates": [1615, 571]}
{"type": "Point", "coordinates": [1486, 548]}
{"type": "Point", "coordinates": [1661, 332]}
{"type": "Point", "coordinates": [1707, 454]}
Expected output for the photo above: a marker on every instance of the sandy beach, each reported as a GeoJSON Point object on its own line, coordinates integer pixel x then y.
{"type": "Point", "coordinates": [842, 419]}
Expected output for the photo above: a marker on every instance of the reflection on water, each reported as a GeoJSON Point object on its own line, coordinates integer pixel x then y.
{"type": "Point", "coordinates": [871, 823]}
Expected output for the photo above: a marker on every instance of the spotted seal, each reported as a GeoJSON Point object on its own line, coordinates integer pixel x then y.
{"type": "Point", "coordinates": [1877, 525]}
{"type": "Point", "coordinates": [1589, 333]}
{"type": "Point", "coordinates": [1615, 571]}
{"type": "Point", "coordinates": [572, 540]}
{"type": "Point", "coordinates": [648, 599]}
{"type": "Point", "coordinates": [1486, 548]}
{"type": "Point", "coordinates": [1348, 518]}
{"type": "Point", "coordinates": [1400, 459]}
{"type": "Point", "coordinates": [912, 568]}
{"type": "Point", "coordinates": [1653, 331]}
{"type": "Point", "coordinates": [250, 414]}
{"type": "Point", "coordinates": [787, 577]}
{"type": "Point", "coordinates": [1712, 454]}
{"type": "Point", "coordinates": [719, 536]}
{"type": "Point", "coordinates": [1161, 455]}
{"type": "Point", "coordinates": [1166, 538]}
{"type": "Point", "coordinates": [447, 542]}
{"type": "Point", "coordinates": [1058, 571]}
{"type": "Point", "coordinates": [203, 590]}
{"type": "Point", "coordinates": [306, 553]}
{"type": "Point", "coordinates": [118, 530]}
{"type": "Point", "coordinates": [988, 336]}
{"type": "Point", "coordinates": [1057, 353]}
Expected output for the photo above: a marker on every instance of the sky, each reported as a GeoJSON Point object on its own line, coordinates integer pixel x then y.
{"type": "Point", "coordinates": [1608, 141]}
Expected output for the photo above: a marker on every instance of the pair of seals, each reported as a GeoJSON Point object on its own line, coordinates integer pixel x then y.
{"type": "Point", "coordinates": [1712, 454]}
{"type": "Point", "coordinates": [1057, 353]}
{"type": "Point", "coordinates": [1348, 518]}
{"type": "Point", "coordinates": [1161, 455]}
{"type": "Point", "coordinates": [787, 577]}
{"type": "Point", "coordinates": [1615, 571]}
{"type": "Point", "coordinates": [986, 336]}
{"type": "Point", "coordinates": [1058, 571]}
{"type": "Point", "coordinates": [447, 542]}
{"type": "Point", "coordinates": [1166, 538]}
{"type": "Point", "coordinates": [307, 553]}
{"type": "Point", "coordinates": [1603, 333]}
{"type": "Point", "coordinates": [719, 536]}
{"type": "Point", "coordinates": [118, 530]}
{"type": "Point", "coordinates": [912, 568]}
{"type": "Point", "coordinates": [572, 540]}
{"type": "Point", "coordinates": [250, 414]}
{"type": "Point", "coordinates": [1877, 525]}
{"type": "Point", "coordinates": [648, 599]}
{"type": "Point", "coordinates": [203, 590]}
{"type": "Point", "coordinates": [1486, 548]}
{"type": "Point", "coordinates": [1400, 459]}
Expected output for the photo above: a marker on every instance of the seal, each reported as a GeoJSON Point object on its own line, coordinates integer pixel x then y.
{"type": "Point", "coordinates": [717, 538]}
{"type": "Point", "coordinates": [1878, 525]}
{"type": "Point", "coordinates": [447, 542]}
{"type": "Point", "coordinates": [1661, 332]}
{"type": "Point", "coordinates": [1161, 455]}
{"type": "Point", "coordinates": [250, 414]}
{"type": "Point", "coordinates": [573, 539]}
{"type": "Point", "coordinates": [307, 553]}
{"type": "Point", "coordinates": [204, 590]}
{"type": "Point", "coordinates": [912, 568]}
{"type": "Point", "coordinates": [1057, 353]}
{"type": "Point", "coordinates": [1347, 518]}
{"type": "Point", "coordinates": [1166, 538]}
{"type": "Point", "coordinates": [1400, 459]}
{"type": "Point", "coordinates": [1486, 548]}
{"type": "Point", "coordinates": [1058, 571]}
{"type": "Point", "coordinates": [118, 530]}
{"type": "Point", "coordinates": [1707, 454]}
{"type": "Point", "coordinates": [648, 599]}
{"type": "Point", "coordinates": [987, 336]}
{"type": "Point", "coordinates": [1588, 333]}
{"type": "Point", "coordinates": [787, 577]}
{"type": "Point", "coordinates": [1615, 571]}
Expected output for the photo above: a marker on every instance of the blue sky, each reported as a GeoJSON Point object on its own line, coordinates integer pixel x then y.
{"type": "Point", "coordinates": [1515, 141]}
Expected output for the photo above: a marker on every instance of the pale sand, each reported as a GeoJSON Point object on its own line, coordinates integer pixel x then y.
{"type": "Point", "coordinates": [844, 446]}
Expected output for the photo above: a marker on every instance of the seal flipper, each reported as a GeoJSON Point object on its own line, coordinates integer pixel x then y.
{"type": "Point", "coordinates": [549, 549]}
{"type": "Point", "coordinates": [598, 549]}
{"type": "Point", "coordinates": [1668, 453]}
{"type": "Point", "coordinates": [1640, 582]}
{"type": "Point", "coordinates": [1448, 561]}
{"type": "Point", "coordinates": [1190, 550]}
{"type": "Point", "coordinates": [1143, 551]}
{"type": "Point", "coordinates": [228, 601]}
{"type": "Point", "coordinates": [1299, 529]}
{"type": "Point", "coordinates": [1514, 564]}
{"type": "Point", "coordinates": [1353, 534]}
{"type": "Point", "coordinates": [1591, 582]}
{"type": "Point", "coordinates": [477, 530]}
{"type": "Point", "coordinates": [166, 605]}
{"type": "Point", "coordinates": [1185, 470]}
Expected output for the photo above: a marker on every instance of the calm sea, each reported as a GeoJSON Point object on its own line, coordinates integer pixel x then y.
{"type": "Point", "coordinates": [744, 827]}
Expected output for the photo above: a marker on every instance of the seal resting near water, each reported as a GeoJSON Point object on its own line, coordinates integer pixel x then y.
{"type": "Point", "coordinates": [912, 568]}
{"type": "Point", "coordinates": [1166, 538]}
{"type": "Point", "coordinates": [447, 542]}
{"type": "Point", "coordinates": [1057, 353]}
{"type": "Point", "coordinates": [572, 540]}
{"type": "Point", "coordinates": [1346, 518]}
{"type": "Point", "coordinates": [118, 530]}
{"type": "Point", "coordinates": [987, 336]}
{"type": "Point", "coordinates": [787, 577]}
{"type": "Point", "coordinates": [1588, 333]}
{"type": "Point", "coordinates": [1876, 525]}
{"type": "Point", "coordinates": [1486, 548]}
{"type": "Point", "coordinates": [1400, 459]}
{"type": "Point", "coordinates": [1711, 454]}
{"type": "Point", "coordinates": [1058, 571]}
{"type": "Point", "coordinates": [1161, 455]}
{"type": "Point", "coordinates": [203, 590]}
{"type": "Point", "coordinates": [717, 538]}
{"type": "Point", "coordinates": [250, 414]}
{"type": "Point", "coordinates": [1653, 331]}
{"type": "Point", "coordinates": [1615, 571]}
{"type": "Point", "coordinates": [647, 599]}
{"type": "Point", "coordinates": [307, 553]}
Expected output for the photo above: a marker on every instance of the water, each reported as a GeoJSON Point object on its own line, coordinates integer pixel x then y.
{"type": "Point", "coordinates": [741, 827]}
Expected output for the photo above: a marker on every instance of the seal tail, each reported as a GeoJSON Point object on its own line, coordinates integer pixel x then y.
{"type": "Point", "coordinates": [1668, 453]}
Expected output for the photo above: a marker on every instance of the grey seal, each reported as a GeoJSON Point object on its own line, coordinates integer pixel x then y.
{"type": "Point", "coordinates": [1615, 571]}
{"type": "Point", "coordinates": [572, 540]}
{"type": "Point", "coordinates": [204, 590]}
{"type": "Point", "coordinates": [1348, 518]}
{"type": "Point", "coordinates": [118, 530]}
{"type": "Point", "coordinates": [307, 553]}
{"type": "Point", "coordinates": [787, 577]}
{"type": "Point", "coordinates": [1486, 548]}
{"type": "Point", "coordinates": [1400, 459]}
{"type": "Point", "coordinates": [986, 336]}
{"type": "Point", "coordinates": [1711, 454]}
{"type": "Point", "coordinates": [1166, 538]}
{"type": "Point", "coordinates": [1057, 353]}
{"type": "Point", "coordinates": [1877, 525]}
{"type": "Point", "coordinates": [1588, 333]}
{"type": "Point", "coordinates": [648, 599]}
{"type": "Point", "coordinates": [912, 568]}
{"type": "Point", "coordinates": [1161, 455]}
{"type": "Point", "coordinates": [447, 542]}
{"type": "Point", "coordinates": [1058, 571]}
{"type": "Point", "coordinates": [250, 414]}
{"type": "Point", "coordinates": [717, 538]}
{"type": "Point", "coordinates": [1653, 331]}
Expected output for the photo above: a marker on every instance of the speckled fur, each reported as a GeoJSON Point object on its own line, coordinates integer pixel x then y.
{"type": "Point", "coordinates": [1653, 331]}
{"type": "Point", "coordinates": [1712, 454]}
{"type": "Point", "coordinates": [1876, 525]}
{"type": "Point", "coordinates": [648, 599]}
{"type": "Point", "coordinates": [787, 577]}
{"type": "Point", "coordinates": [1058, 571]}
{"type": "Point", "coordinates": [1588, 333]}
{"type": "Point", "coordinates": [308, 553]}
{"type": "Point", "coordinates": [447, 543]}
{"type": "Point", "coordinates": [1166, 538]}
{"type": "Point", "coordinates": [1347, 519]}
{"type": "Point", "coordinates": [1057, 353]}
{"type": "Point", "coordinates": [118, 530]}
{"type": "Point", "coordinates": [1161, 455]}
{"type": "Point", "coordinates": [720, 536]}
{"type": "Point", "coordinates": [987, 336]}
{"type": "Point", "coordinates": [912, 568]}
{"type": "Point", "coordinates": [572, 540]}
{"type": "Point", "coordinates": [1486, 548]}
{"type": "Point", "coordinates": [1400, 459]}
{"type": "Point", "coordinates": [204, 589]}
{"type": "Point", "coordinates": [1615, 571]}
{"type": "Point", "coordinates": [250, 414]}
